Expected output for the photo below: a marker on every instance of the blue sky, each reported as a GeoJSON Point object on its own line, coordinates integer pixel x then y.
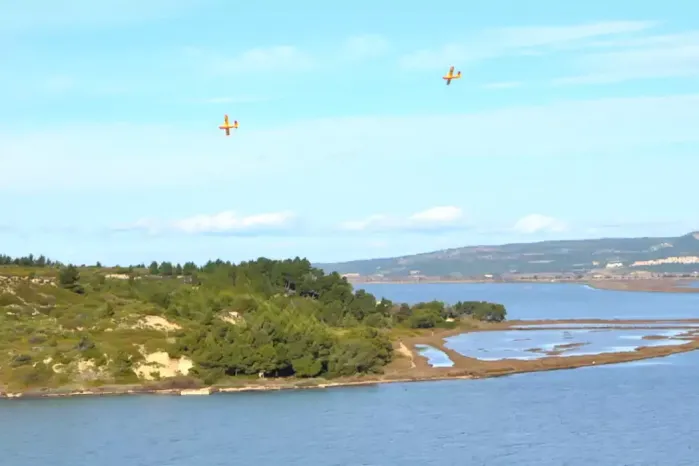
{"type": "Point", "coordinates": [570, 121]}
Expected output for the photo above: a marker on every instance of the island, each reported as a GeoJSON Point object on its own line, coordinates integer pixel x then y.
{"type": "Point", "coordinates": [257, 325]}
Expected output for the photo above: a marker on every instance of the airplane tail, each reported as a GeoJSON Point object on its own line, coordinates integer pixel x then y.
{"type": "Point", "coordinates": [458, 75]}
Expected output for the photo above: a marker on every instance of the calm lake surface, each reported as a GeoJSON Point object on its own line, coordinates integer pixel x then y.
{"type": "Point", "coordinates": [550, 300]}
{"type": "Point", "coordinates": [642, 413]}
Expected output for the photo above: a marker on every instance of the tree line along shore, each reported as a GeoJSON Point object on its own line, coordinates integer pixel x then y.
{"type": "Point", "coordinates": [85, 327]}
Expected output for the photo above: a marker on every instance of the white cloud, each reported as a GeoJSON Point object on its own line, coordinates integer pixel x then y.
{"type": "Point", "coordinates": [222, 223]}
{"type": "Point", "coordinates": [15, 85]}
{"type": "Point", "coordinates": [597, 53]}
{"type": "Point", "coordinates": [380, 221]}
{"type": "Point", "coordinates": [435, 218]}
{"type": "Point", "coordinates": [436, 215]}
{"type": "Point", "coordinates": [287, 58]}
{"type": "Point", "coordinates": [537, 223]}
{"type": "Point", "coordinates": [114, 156]}
{"type": "Point", "coordinates": [378, 243]}
{"type": "Point", "coordinates": [278, 58]}
{"type": "Point", "coordinates": [121, 156]}
{"type": "Point", "coordinates": [652, 56]}
{"type": "Point", "coordinates": [242, 99]}
{"type": "Point", "coordinates": [364, 47]}
{"type": "Point", "coordinates": [229, 221]}
{"type": "Point", "coordinates": [47, 15]}
{"type": "Point", "coordinates": [503, 85]}
{"type": "Point", "coordinates": [59, 84]}
{"type": "Point", "coordinates": [518, 41]}
{"type": "Point", "coordinates": [555, 36]}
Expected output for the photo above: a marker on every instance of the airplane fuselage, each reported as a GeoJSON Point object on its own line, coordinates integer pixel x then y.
{"type": "Point", "coordinates": [450, 75]}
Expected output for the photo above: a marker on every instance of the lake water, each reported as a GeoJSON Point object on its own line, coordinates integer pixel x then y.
{"type": "Point", "coordinates": [517, 344]}
{"type": "Point", "coordinates": [551, 300]}
{"type": "Point", "coordinates": [435, 357]}
{"type": "Point", "coordinates": [643, 413]}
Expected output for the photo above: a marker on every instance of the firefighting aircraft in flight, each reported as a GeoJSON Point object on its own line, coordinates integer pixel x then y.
{"type": "Point", "coordinates": [450, 75]}
{"type": "Point", "coordinates": [227, 126]}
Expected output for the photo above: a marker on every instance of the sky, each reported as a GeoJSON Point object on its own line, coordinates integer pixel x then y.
{"type": "Point", "coordinates": [571, 120]}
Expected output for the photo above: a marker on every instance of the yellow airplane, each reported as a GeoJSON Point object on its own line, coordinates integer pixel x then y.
{"type": "Point", "coordinates": [450, 75]}
{"type": "Point", "coordinates": [227, 126]}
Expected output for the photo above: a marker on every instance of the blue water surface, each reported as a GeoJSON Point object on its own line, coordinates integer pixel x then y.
{"type": "Point", "coordinates": [517, 344]}
{"type": "Point", "coordinates": [550, 300]}
{"type": "Point", "coordinates": [435, 357]}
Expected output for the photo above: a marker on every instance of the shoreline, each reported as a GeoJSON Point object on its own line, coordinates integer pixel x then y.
{"type": "Point", "coordinates": [414, 368]}
{"type": "Point", "coordinates": [658, 285]}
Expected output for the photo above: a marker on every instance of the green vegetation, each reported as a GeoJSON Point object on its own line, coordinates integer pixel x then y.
{"type": "Point", "coordinates": [556, 257]}
{"type": "Point", "coordinates": [66, 325]}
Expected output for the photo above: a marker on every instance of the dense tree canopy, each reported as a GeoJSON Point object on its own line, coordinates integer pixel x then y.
{"type": "Point", "coordinates": [263, 317]}
{"type": "Point", "coordinates": [27, 261]}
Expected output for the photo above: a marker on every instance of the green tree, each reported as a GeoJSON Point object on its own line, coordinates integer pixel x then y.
{"type": "Point", "coordinates": [189, 268]}
{"type": "Point", "coordinates": [166, 269]}
{"type": "Point", "coordinates": [69, 278]}
{"type": "Point", "coordinates": [425, 318]}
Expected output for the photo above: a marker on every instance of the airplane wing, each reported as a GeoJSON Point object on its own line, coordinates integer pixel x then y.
{"type": "Point", "coordinates": [451, 72]}
{"type": "Point", "coordinates": [228, 132]}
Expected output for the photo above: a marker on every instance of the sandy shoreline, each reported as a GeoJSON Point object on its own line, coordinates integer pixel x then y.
{"type": "Point", "coordinates": [410, 365]}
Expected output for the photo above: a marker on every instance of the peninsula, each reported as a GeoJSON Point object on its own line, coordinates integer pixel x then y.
{"type": "Point", "coordinates": [264, 324]}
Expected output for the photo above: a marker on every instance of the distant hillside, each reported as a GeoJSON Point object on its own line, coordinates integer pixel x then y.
{"type": "Point", "coordinates": [669, 254]}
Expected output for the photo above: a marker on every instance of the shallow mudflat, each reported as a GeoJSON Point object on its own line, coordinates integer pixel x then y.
{"type": "Point", "coordinates": [649, 285]}
{"type": "Point", "coordinates": [515, 347]}
{"type": "Point", "coordinates": [539, 343]}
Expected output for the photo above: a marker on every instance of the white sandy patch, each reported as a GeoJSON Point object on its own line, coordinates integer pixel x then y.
{"type": "Point", "coordinates": [405, 351]}
{"type": "Point", "coordinates": [232, 317]}
{"type": "Point", "coordinates": [157, 323]}
{"type": "Point", "coordinates": [87, 370]}
{"type": "Point", "coordinates": [162, 364]}
{"type": "Point", "coordinates": [196, 391]}
{"type": "Point", "coordinates": [84, 366]}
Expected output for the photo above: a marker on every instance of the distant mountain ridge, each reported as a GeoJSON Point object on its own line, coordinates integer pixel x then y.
{"type": "Point", "coordinates": [657, 254]}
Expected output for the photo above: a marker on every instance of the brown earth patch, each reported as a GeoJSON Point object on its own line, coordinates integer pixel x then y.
{"type": "Point", "coordinates": [652, 285]}
{"type": "Point", "coordinates": [558, 349]}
